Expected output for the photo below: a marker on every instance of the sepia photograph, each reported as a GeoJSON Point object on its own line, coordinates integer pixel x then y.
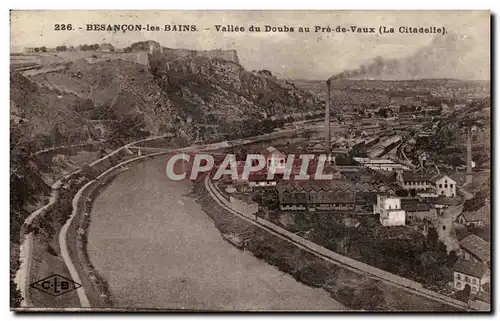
{"type": "Point", "coordinates": [258, 160]}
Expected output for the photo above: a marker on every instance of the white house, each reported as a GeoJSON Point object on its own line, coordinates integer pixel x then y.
{"type": "Point", "coordinates": [470, 273]}
{"type": "Point", "coordinates": [441, 185]}
{"type": "Point", "coordinates": [275, 159]}
{"type": "Point", "coordinates": [445, 186]}
{"type": "Point", "coordinates": [390, 211]}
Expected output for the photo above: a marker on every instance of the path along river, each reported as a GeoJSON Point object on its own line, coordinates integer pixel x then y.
{"type": "Point", "coordinates": [158, 249]}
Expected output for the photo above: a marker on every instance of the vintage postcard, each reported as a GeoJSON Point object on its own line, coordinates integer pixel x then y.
{"type": "Point", "coordinates": [250, 161]}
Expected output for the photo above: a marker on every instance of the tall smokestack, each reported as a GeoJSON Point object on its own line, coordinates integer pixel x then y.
{"type": "Point", "coordinates": [468, 176]}
{"type": "Point", "coordinates": [327, 119]}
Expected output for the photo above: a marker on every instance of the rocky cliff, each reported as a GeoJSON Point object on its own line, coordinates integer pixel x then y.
{"type": "Point", "coordinates": [219, 92]}
{"type": "Point", "coordinates": [202, 95]}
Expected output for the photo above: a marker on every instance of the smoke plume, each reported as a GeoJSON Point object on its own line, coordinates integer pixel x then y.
{"type": "Point", "coordinates": [449, 56]}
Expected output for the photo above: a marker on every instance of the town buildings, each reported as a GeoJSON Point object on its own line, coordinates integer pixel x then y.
{"type": "Point", "coordinates": [416, 210]}
{"type": "Point", "coordinates": [475, 249]}
{"type": "Point", "coordinates": [380, 164]}
{"type": "Point", "coordinates": [413, 181]}
{"type": "Point", "coordinates": [389, 208]}
{"type": "Point", "coordinates": [275, 160]}
{"type": "Point", "coordinates": [317, 196]}
{"type": "Point", "coordinates": [470, 273]}
{"type": "Point", "coordinates": [473, 269]}
{"type": "Point", "coordinates": [474, 218]}
{"type": "Point", "coordinates": [445, 186]}
{"type": "Point", "coordinates": [440, 185]}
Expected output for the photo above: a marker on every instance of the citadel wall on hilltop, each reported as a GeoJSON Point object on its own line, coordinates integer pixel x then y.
{"type": "Point", "coordinates": [229, 55]}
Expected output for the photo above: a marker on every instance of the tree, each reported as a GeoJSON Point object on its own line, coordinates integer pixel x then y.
{"type": "Point", "coordinates": [464, 295]}
{"type": "Point", "coordinates": [344, 160]}
{"type": "Point", "coordinates": [268, 125]}
{"type": "Point", "coordinates": [84, 105]}
{"type": "Point", "coordinates": [88, 172]}
{"type": "Point", "coordinates": [433, 241]}
{"type": "Point", "coordinates": [278, 123]}
{"type": "Point", "coordinates": [402, 193]}
{"type": "Point", "coordinates": [15, 295]}
{"type": "Point", "coordinates": [270, 199]}
{"type": "Point", "coordinates": [57, 136]}
{"type": "Point", "coordinates": [43, 49]}
{"type": "Point", "coordinates": [130, 126]}
{"type": "Point", "coordinates": [451, 259]}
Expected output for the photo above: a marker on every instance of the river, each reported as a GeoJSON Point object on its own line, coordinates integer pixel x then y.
{"type": "Point", "coordinates": [158, 249]}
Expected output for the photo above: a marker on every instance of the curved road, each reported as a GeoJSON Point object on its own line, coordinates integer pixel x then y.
{"type": "Point", "coordinates": [158, 249]}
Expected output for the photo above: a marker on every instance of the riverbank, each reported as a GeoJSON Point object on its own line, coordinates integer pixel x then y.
{"type": "Point", "coordinates": [39, 249]}
{"type": "Point", "coordinates": [96, 287]}
{"type": "Point", "coordinates": [351, 289]}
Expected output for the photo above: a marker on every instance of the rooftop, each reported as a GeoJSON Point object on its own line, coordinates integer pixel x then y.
{"type": "Point", "coordinates": [332, 185]}
{"type": "Point", "coordinates": [415, 207]}
{"type": "Point", "coordinates": [473, 216]}
{"type": "Point", "coordinates": [470, 268]}
{"type": "Point", "coordinates": [477, 247]}
{"type": "Point", "coordinates": [415, 177]}
{"type": "Point", "coordinates": [380, 161]}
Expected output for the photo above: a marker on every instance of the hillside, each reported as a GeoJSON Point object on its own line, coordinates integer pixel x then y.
{"type": "Point", "coordinates": [94, 99]}
{"type": "Point", "coordinates": [198, 99]}
{"type": "Point", "coordinates": [194, 96]}
{"type": "Point", "coordinates": [222, 87]}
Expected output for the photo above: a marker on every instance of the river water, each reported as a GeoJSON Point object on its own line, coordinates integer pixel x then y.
{"type": "Point", "coordinates": [158, 249]}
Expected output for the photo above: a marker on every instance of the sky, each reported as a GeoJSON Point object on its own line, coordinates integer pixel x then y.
{"type": "Point", "coordinates": [313, 55]}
